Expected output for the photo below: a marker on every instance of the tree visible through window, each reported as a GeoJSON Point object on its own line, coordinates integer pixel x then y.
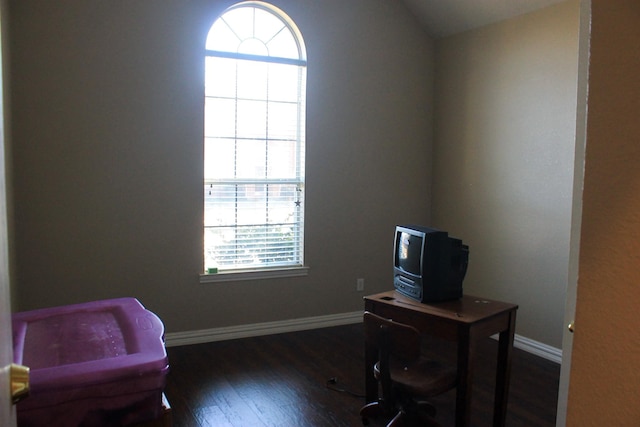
{"type": "Point", "coordinates": [255, 78]}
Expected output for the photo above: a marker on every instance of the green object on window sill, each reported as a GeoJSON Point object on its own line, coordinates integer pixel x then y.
{"type": "Point", "coordinates": [213, 270]}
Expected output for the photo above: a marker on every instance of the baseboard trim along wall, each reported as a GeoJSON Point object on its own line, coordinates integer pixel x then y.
{"type": "Point", "coordinates": [257, 329]}
{"type": "Point", "coordinates": [539, 349]}
{"type": "Point", "coordinates": [174, 339]}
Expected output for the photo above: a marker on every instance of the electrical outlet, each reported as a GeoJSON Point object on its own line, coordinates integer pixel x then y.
{"type": "Point", "coordinates": [359, 285]}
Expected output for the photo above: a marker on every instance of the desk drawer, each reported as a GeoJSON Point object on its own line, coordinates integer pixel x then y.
{"type": "Point", "coordinates": [427, 324]}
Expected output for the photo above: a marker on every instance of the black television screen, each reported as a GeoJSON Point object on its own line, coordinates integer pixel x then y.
{"type": "Point", "coordinates": [409, 252]}
{"type": "Point", "coordinates": [428, 265]}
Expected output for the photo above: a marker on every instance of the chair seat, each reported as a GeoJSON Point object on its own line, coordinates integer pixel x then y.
{"type": "Point", "coordinates": [407, 378]}
{"type": "Point", "coordinates": [424, 377]}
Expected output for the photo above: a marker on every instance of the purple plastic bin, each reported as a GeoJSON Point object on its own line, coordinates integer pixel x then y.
{"type": "Point", "coordinates": [98, 363]}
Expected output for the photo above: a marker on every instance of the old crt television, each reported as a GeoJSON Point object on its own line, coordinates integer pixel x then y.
{"type": "Point", "coordinates": [428, 265]}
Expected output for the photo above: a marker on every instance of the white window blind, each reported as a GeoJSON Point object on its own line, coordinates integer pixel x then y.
{"type": "Point", "coordinates": [255, 79]}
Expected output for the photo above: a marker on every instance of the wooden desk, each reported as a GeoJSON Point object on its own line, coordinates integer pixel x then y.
{"type": "Point", "coordinates": [466, 321]}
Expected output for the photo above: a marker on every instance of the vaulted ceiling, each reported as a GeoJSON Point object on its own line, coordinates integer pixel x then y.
{"type": "Point", "coordinates": [443, 18]}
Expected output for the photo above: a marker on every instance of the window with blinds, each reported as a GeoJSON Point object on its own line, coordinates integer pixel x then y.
{"type": "Point", "coordinates": [255, 80]}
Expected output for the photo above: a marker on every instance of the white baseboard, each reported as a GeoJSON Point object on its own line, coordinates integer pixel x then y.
{"type": "Point", "coordinates": [539, 349]}
{"type": "Point", "coordinates": [258, 329]}
{"type": "Point", "coordinates": [536, 348]}
{"type": "Point", "coordinates": [268, 328]}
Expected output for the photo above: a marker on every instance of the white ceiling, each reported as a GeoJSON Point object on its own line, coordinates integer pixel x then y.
{"type": "Point", "coordinates": [443, 18]}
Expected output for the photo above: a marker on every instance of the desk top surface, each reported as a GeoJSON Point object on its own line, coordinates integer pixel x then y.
{"type": "Point", "coordinates": [468, 309]}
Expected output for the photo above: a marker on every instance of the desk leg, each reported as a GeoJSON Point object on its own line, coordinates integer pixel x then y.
{"type": "Point", "coordinates": [370, 382]}
{"type": "Point", "coordinates": [503, 372]}
{"type": "Point", "coordinates": [466, 353]}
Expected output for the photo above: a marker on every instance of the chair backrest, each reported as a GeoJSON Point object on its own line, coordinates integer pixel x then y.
{"type": "Point", "coordinates": [399, 340]}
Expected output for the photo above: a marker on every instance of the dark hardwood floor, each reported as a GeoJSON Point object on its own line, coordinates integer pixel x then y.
{"type": "Point", "coordinates": [281, 380]}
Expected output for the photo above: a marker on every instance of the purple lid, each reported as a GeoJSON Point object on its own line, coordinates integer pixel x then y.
{"type": "Point", "coordinates": [90, 343]}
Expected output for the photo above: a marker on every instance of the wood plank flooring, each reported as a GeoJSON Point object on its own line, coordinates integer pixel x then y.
{"type": "Point", "coordinates": [281, 380]}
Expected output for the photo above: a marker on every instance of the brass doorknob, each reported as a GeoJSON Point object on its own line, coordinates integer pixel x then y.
{"type": "Point", "coordinates": [19, 382]}
{"type": "Point", "coordinates": [571, 327]}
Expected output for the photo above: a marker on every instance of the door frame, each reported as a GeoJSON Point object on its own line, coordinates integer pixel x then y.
{"type": "Point", "coordinates": [584, 38]}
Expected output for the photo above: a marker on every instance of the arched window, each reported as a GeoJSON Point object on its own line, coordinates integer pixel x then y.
{"type": "Point", "coordinates": [254, 140]}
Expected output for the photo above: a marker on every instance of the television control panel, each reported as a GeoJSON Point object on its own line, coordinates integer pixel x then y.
{"type": "Point", "coordinates": [403, 286]}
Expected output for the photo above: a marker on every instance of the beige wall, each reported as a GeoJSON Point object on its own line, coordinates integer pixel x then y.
{"type": "Point", "coordinates": [605, 367]}
{"type": "Point", "coordinates": [107, 108]}
{"type": "Point", "coordinates": [505, 123]}
{"type": "Point", "coordinates": [107, 149]}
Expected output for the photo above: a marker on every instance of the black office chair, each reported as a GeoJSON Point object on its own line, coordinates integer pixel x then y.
{"type": "Point", "coordinates": [406, 378]}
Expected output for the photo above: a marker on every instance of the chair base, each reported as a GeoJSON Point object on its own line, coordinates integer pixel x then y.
{"type": "Point", "coordinates": [419, 414]}
{"type": "Point", "coordinates": [375, 410]}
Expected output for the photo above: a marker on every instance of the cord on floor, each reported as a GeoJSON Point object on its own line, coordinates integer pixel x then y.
{"type": "Point", "coordinates": [332, 384]}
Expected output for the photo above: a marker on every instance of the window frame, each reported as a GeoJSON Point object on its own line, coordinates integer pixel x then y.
{"type": "Point", "coordinates": [267, 272]}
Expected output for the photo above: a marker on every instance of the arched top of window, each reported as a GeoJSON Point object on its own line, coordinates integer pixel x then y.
{"type": "Point", "coordinates": [256, 29]}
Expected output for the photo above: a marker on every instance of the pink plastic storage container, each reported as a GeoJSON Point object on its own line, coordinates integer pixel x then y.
{"type": "Point", "coordinates": [98, 363]}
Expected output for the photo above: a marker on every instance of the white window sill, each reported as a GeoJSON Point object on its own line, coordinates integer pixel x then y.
{"type": "Point", "coordinates": [238, 275]}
